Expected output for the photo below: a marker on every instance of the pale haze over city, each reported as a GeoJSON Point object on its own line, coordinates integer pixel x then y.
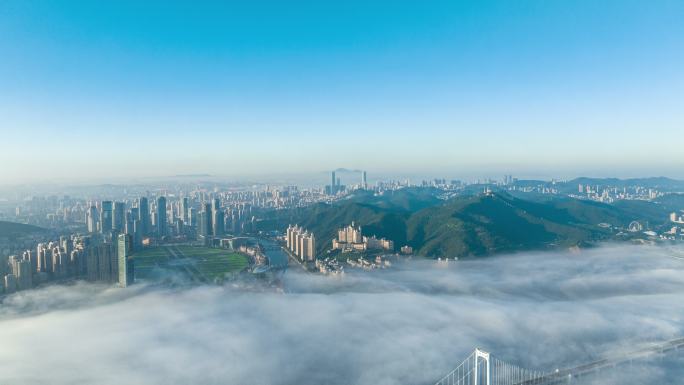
{"type": "Point", "coordinates": [341, 192]}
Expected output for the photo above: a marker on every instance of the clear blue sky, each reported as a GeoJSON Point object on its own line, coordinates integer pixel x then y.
{"type": "Point", "coordinates": [93, 88]}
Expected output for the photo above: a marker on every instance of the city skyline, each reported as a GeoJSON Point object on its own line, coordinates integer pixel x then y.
{"type": "Point", "coordinates": [341, 192]}
{"type": "Point", "coordinates": [152, 90]}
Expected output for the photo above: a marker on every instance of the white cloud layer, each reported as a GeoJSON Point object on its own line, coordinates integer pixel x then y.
{"type": "Point", "coordinates": [409, 325]}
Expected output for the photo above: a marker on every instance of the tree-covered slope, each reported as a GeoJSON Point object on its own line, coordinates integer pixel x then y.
{"type": "Point", "coordinates": [464, 226]}
{"type": "Point", "coordinates": [484, 225]}
{"type": "Point", "coordinates": [8, 229]}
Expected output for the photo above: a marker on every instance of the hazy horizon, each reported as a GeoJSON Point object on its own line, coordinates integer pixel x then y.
{"type": "Point", "coordinates": [318, 178]}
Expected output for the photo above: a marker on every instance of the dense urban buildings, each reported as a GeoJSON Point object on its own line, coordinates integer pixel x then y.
{"type": "Point", "coordinates": [81, 236]}
{"type": "Point", "coordinates": [98, 238]}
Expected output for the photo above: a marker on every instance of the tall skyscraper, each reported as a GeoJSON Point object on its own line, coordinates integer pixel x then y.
{"type": "Point", "coordinates": [24, 274]}
{"type": "Point", "coordinates": [364, 182]}
{"type": "Point", "coordinates": [106, 216]}
{"type": "Point", "coordinates": [162, 222]}
{"type": "Point", "coordinates": [10, 283]}
{"type": "Point", "coordinates": [41, 257]}
{"type": "Point", "coordinates": [119, 216]}
{"type": "Point", "coordinates": [184, 207]}
{"type": "Point", "coordinates": [144, 216]}
{"type": "Point", "coordinates": [333, 180]}
{"type": "Point", "coordinates": [206, 219]}
{"type": "Point", "coordinates": [192, 217]}
{"type": "Point", "coordinates": [132, 216]}
{"type": "Point", "coordinates": [92, 218]}
{"type": "Point", "coordinates": [126, 264]}
{"type": "Point", "coordinates": [217, 218]}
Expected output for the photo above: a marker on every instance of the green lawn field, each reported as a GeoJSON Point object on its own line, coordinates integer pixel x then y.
{"type": "Point", "coordinates": [201, 264]}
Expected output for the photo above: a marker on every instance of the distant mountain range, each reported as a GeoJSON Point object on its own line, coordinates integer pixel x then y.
{"type": "Point", "coordinates": [9, 229]}
{"type": "Point", "coordinates": [471, 225]}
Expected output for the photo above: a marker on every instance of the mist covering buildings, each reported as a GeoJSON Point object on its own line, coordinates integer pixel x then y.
{"type": "Point", "coordinates": [407, 325]}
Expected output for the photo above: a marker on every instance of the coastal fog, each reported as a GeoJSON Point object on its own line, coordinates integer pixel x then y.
{"type": "Point", "coordinates": [410, 324]}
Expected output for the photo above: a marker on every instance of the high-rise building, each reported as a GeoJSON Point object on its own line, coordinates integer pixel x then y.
{"type": "Point", "coordinates": [105, 267]}
{"type": "Point", "coordinates": [66, 244]}
{"type": "Point", "coordinates": [119, 216]}
{"type": "Point", "coordinates": [364, 181]}
{"type": "Point", "coordinates": [192, 217]}
{"type": "Point", "coordinates": [41, 257]}
{"type": "Point", "coordinates": [131, 216]}
{"type": "Point", "coordinates": [92, 218]}
{"type": "Point", "coordinates": [206, 221]}
{"type": "Point", "coordinates": [291, 231]}
{"type": "Point", "coordinates": [218, 223]}
{"type": "Point", "coordinates": [333, 187]}
{"type": "Point", "coordinates": [144, 216]}
{"type": "Point", "coordinates": [350, 234]}
{"type": "Point", "coordinates": [106, 215]}
{"type": "Point", "coordinates": [10, 283]}
{"type": "Point", "coordinates": [125, 261]}
{"type": "Point", "coordinates": [92, 261]}
{"type": "Point", "coordinates": [184, 207]}
{"type": "Point", "coordinates": [162, 222]}
{"type": "Point", "coordinates": [351, 238]}
{"type": "Point", "coordinates": [24, 274]}
{"type": "Point", "coordinates": [217, 218]}
{"type": "Point", "coordinates": [307, 247]}
{"type": "Point", "coordinates": [31, 256]}
{"type": "Point", "coordinates": [59, 262]}
{"type": "Point", "coordinates": [301, 243]}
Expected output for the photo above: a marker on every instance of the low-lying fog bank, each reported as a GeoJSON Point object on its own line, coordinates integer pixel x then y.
{"type": "Point", "coordinates": [407, 325]}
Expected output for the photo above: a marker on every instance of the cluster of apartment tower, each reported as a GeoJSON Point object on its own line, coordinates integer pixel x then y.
{"type": "Point", "coordinates": [301, 243]}
{"type": "Point", "coordinates": [115, 231]}
{"type": "Point", "coordinates": [82, 257]}
{"type": "Point", "coordinates": [351, 238]}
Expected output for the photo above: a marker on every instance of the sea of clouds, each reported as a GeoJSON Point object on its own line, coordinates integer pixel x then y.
{"type": "Point", "coordinates": [407, 325]}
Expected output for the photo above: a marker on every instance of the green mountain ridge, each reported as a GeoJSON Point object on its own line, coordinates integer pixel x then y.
{"type": "Point", "coordinates": [484, 225]}
{"type": "Point", "coordinates": [469, 225]}
{"type": "Point", "coordinates": [8, 229]}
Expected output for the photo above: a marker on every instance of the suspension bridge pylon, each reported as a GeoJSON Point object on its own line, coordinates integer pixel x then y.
{"type": "Point", "coordinates": [481, 360]}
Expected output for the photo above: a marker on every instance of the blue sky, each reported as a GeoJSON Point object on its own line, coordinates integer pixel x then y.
{"type": "Point", "coordinates": [131, 88]}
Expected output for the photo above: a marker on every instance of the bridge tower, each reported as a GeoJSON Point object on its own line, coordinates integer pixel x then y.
{"type": "Point", "coordinates": [481, 359]}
